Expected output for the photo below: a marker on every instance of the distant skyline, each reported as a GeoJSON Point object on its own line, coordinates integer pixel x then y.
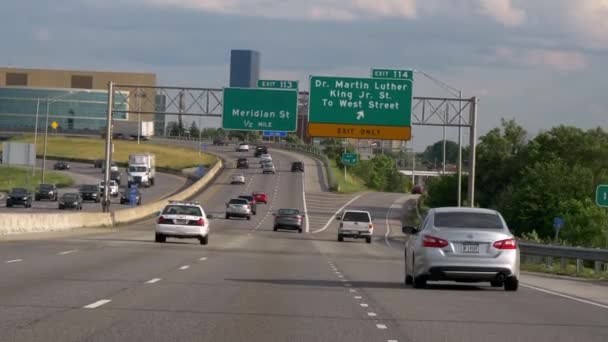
{"type": "Point", "coordinates": [540, 62]}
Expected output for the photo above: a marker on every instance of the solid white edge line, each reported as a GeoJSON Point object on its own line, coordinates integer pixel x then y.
{"type": "Point", "coordinates": [68, 252]}
{"type": "Point", "coordinates": [185, 267]}
{"type": "Point", "coordinates": [603, 306]}
{"type": "Point", "coordinates": [336, 213]}
{"type": "Point", "coordinates": [14, 260]}
{"type": "Point", "coordinates": [97, 304]}
{"type": "Point", "coordinates": [152, 281]}
{"type": "Point", "coordinates": [305, 207]}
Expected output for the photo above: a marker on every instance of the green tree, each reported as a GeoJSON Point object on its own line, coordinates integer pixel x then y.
{"type": "Point", "coordinates": [194, 131]}
{"type": "Point", "coordinates": [433, 154]}
{"type": "Point", "coordinates": [293, 138]}
{"type": "Point", "coordinates": [442, 191]}
{"type": "Point", "coordinates": [585, 223]}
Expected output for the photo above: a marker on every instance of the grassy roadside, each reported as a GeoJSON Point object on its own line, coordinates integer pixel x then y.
{"type": "Point", "coordinates": [20, 177]}
{"type": "Point", "coordinates": [94, 148]}
{"type": "Point", "coordinates": [353, 184]}
{"type": "Point", "coordinates": [570, 271]}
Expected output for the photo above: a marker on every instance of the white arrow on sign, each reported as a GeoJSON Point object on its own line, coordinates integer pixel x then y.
{"type": "Point", "coordinates": [360, 115]}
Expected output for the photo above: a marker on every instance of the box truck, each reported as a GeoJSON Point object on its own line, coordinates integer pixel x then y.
{"type": "Point", "coordinates": [123, 129]}
{"type": "Point", "coordinates": [141, 169]}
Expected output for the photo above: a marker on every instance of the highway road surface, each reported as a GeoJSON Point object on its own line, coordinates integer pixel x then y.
{"type": "Point", "coordinates": [253, 284]}
{"type": "Point", "coordinates": [84, 173]}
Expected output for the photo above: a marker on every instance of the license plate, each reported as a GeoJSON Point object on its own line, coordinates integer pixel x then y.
{"type": "Point", "coordinates": [470, 248]}
{"type": "Point", "coordinates": [181, 221]}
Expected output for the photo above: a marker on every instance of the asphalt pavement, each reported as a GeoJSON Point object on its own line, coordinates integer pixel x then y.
{"type": "Point", "coordinates": [253, 284]}
{"type": "Point", "coordinates": [84, 173]}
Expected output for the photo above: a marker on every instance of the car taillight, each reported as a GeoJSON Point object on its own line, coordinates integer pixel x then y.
{"type": "Point", "coordinates": [299, 217]}
{"type": "Point", "coordinates": [505, 244]}
{"type": "Point", "coordinates": [341, 224]}
{"type": "Point", "coordinates": [370, 226]}
{"type": "Point", "coordinates": [431, 241]}
{"type": "Point", "coordinates": [199, 222]}
{"type": "Point", "coordinates": [162, 220]}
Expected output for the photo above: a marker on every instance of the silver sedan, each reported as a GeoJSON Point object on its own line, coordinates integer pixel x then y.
{"type": "Point", "coordinates": [462, 245]}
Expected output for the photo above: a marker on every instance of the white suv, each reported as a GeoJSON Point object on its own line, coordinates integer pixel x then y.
{"type": "Point", "coordinates": [355, 224]}
{"type": "Point", "coordinates": [113, 190]}
{"type": "Point", "coordinates": [243, 147]}
{"type": "Point", "coordinates": [182, 220]}
{"type": "Point", "coordinates": [238, 207]}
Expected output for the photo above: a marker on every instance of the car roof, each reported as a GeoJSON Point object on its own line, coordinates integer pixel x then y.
{"type": "Point", "coordinates": [464, 210]}
{"type": "Point", "coordinates": [184, 203]}
{"type": "Point", "coordinates": [259, 193]}
{"type": "Point", "coordinates": [356, 211]}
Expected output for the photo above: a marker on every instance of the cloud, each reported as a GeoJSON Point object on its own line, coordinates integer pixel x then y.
{"type": "Point", "coordinates": [554, 59]}
{"type": "Point", "coordinates": [42, 34]}
{"type": "Point", "coordinates": [590, 19]}
{"type": "Point", "coordinates": [331, 10]}
{"type": "Point", "coordinates": [503, 11]}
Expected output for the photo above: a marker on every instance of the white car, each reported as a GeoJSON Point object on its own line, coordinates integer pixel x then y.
{"type": "Point", "coordinates": [265, 158]}
{"type": "Point", "coordinates": [355, 224]}
{"type": "Point", "coordinates": [268, 167]}
{"type": "Point", "coordinates": [237, 178]}
{"type": "Point", "coordinates": [113, 188]}
{"type": "Point", "coordinates": [243, 147]}
{"type": "Point", "coordinates": [182, 220]}
{"type": "Point", "coordinates": [238, 207]}
{"type": "Point", "coordinates": [113, 167]}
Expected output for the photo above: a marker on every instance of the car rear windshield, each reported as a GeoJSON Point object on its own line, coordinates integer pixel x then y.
{"type": "Point", "coordinates": [89, 188]}
{"type": "Point", "coordinates": [70, 197]}
{"type": "Point", "coordinates": [19, 191]}
{"type": "Point", "coordinates": [468, 220]}
{"type": "Point", "coordinates": [289, 212]}
{"type": "Point", "coordinates": [249, 198]}
{"type": "Point", "coordinates": [238, 201]}
{"type": "Point", "coordinates": [137, 169]}
{"type": "Point", "coordinates": [46, 187]}
{"type": "Point", "coordinates": [355, 217]}
{"type": "Point", "coordinates": [182, 210]}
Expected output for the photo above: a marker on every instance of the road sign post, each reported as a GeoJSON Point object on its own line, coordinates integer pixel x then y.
{"type": "Point", "coordinates": [349, 158]}
{"type": "Point", "coordinates": [363, 108]}
{"type": "Point", "coordinates": [254, 109]}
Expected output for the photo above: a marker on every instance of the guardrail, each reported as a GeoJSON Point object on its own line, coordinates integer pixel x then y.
{"type": "Point", "coordinates": [532, 251]}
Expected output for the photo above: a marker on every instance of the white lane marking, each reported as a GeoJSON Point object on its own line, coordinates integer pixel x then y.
{"type": "Point", "coordinates": [352, 290]}
{"type": "Point", "coordinates": [343, 279]}
{"type": "Point", "coordinates": [97, 304]}
{"type": "Point", "coordinates": [203, 259]}
{"type": "Point", "coordinates": [334, 215]}
{"type": "Point", "coordinates": [347, 285]}
{"type": "Point", "coordinates": [305, 207]}
{"type": "Point", "coordinates": [68, 252]}
{"type": "Point", "coordinates": [185, 267]}
{"type": "Point", "coordinates": [340, 276]}
{"type": "Point", "coordinates": [388, 224]}
{"type": "Point", "coordinates": [392, 341]}
{"type": "Point", "coordinates": [363, 305]}
{"type": "Point", "coordinates": [358, 297]}
{"type": "Point", "coordinates": [12, 261]}
{"type": "Point", "coordinates": [566, 296]}
{"type": "Point", "coordinates": [372, 314]}
{"type": "Point", "coordinates": [380, 326]}
{"type": "Point", "coordinates": [152, 281]}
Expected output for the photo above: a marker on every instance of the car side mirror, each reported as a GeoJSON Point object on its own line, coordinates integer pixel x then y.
{"type": "Point", "coordinates": [410, 230]}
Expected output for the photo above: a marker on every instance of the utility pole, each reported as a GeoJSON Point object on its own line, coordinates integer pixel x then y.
{"type": "Point", "coordinates": [460, 149]}
{"type": "Point", "coordinates": [36, 136]}
{"type": "Point", "coordinates": [106, 189]}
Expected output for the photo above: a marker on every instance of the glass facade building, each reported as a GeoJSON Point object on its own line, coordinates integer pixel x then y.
{"type": "Point", "coordinates": [73, 109]}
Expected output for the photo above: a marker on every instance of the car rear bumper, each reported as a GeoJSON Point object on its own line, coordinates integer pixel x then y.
{"type": "Point", "coordinates": [468, 268]}
{"type": "Point", "coordinates": [180, 231]}
{"type": "Point", "coordinates": [355, 233]}
{"type": "Point", "coordinates": [467, 273]}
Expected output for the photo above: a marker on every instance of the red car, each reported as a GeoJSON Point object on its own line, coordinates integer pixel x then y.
{"type": "Point", "coordinates": [418, 189]}
{"type": "Point", "coordinates": [260, 197]}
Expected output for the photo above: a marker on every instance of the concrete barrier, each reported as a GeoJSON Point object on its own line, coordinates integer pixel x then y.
{"type": "Point", "coordinates": [15, 223]}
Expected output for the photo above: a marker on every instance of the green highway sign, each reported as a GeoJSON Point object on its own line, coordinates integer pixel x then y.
{"type": "Point", "coordinates": [364, 108]}
{"type": "Point", "coordinates": [350, 158]}
{"type": "Point", "coordinates": [277, 84]}
{"type": "Point", "coordinates": [393, 74]}
{"type": "Point", "coordinates": [255, 109]}
{"type": "Point", "coordinates": [601, 195]}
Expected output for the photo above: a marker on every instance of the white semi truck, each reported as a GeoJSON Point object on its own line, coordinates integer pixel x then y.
{"type": "Point", "coordinates": [130, 129]}
{"type": "Point", "coordinates": [141, 169]}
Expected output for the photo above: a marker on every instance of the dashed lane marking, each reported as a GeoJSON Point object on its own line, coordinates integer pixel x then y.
{"type": "Point", "coordinates": [68, 252]}
{"type": "Point", "coordinates": [372, 314]}
{"type": "Point", "coordinates": [12, 261]}
{"type": "Point", "coordinates": [97, 304]}
{"type": "Point", "coordinates": [185, 267]}
{"type": "Point", "coordinates": [381, 326]}
{"type": "Point", "coordinates": [203, 259]}
{"type": "Point", "coordinates": [152, 281]}
{"type": "Point", "coordinates": [364, 305]}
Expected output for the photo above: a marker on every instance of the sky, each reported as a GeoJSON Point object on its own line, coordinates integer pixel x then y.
{"type": "Point", "coordinates": [540, 62]}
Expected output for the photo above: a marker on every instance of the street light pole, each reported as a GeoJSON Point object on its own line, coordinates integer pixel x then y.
{"type": "Point", "coordinates": [36, 136]}
{"type": "Point", "coordinates": [46, 136]}
{"type": "Point", "coordinates": [460, 149]}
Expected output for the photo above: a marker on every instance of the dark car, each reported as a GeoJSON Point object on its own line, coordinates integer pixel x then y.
{"type": "Point", "coordinates": [98, 163]}
{"type": "Point", "coordinates": [90, 192]}
{"type": "Point", "coordinates": [219, 142]}
{"type": "Point", "coordinates": [19, 196]}
{"type": "Point", "coordinates": [125, 197]}
{"type": "Point", "coordinates": [418, 189]}
{"type": "Point", "coordinates": [71, 200]}
{"type": "Point", "coordinates": [242, 163]}
{"type": "Point", "coordinates": [61, 165]}
{"type": "Point", "coordinates": [115, 176]}
{"type": "Point", "coordinates": [259, 150]}
{"type": "Point", "coordinates": [252, 203]}
{"type": "Point", "coordinates": [288, 219]}
{"type": "Point", "coordinates": [46, 191]}
{"type": "Point", "coordinates": [297, 167]}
